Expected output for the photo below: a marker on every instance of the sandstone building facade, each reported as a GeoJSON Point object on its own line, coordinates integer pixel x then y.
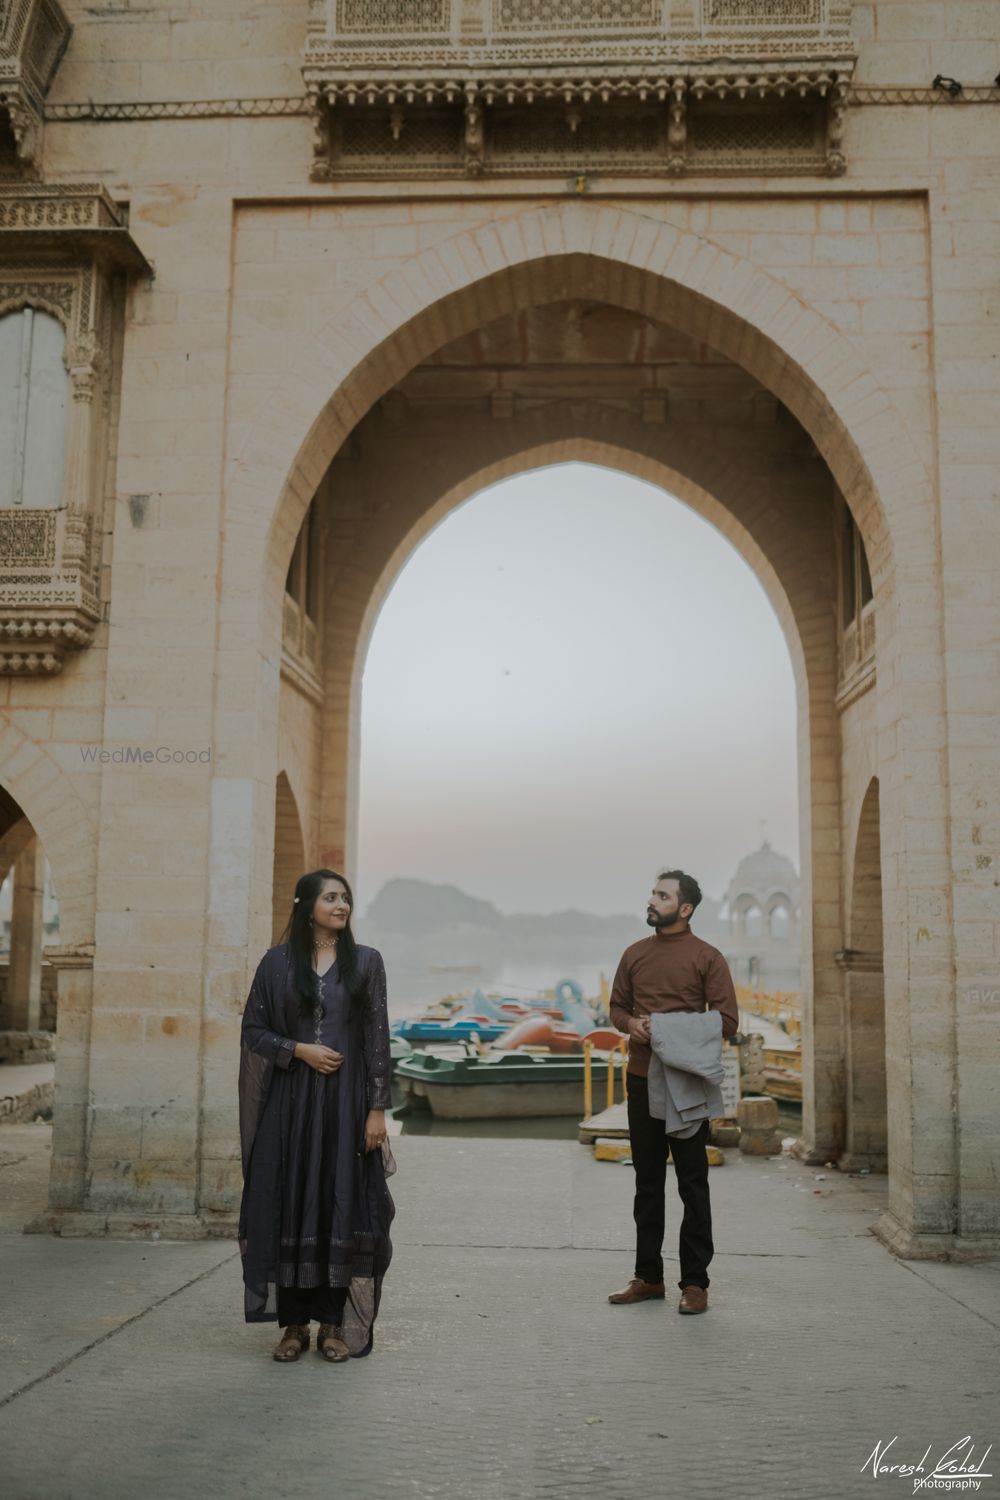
{"type": "Point", "coordinates": [283, 282]}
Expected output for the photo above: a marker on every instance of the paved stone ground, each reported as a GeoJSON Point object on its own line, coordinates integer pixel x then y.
{"type": "Point", "coordinates": [500, 1370]}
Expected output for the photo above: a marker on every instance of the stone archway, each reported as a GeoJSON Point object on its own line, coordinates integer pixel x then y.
{"type": "Point", "coordinates": [23, 859]}
{"type": "Point", "coordinates": [283, 445]}
{"type": "Point", "coordinates": [39, 787]}
{"type": "Point", "coordinates": [740, 502]}
{"type": "Point", "coordinates": [617, 255]}
{"type": "Point", "coordinates": [866, 1130]}
{"type": "Point", "coordinates": [41, 795]}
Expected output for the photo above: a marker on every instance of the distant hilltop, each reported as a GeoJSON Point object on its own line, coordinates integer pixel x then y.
{"type": "Point", "coordinates": [419, 908]}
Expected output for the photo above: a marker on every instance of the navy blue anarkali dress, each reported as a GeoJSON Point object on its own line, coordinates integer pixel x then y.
{"type": "Point", "coordinates": [316, 1210]}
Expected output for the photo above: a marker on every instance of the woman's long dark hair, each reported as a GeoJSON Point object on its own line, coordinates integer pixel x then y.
{"type": "Point", "coordinates": [298, 934]}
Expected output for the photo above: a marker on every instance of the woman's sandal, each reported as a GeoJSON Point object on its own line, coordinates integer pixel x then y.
{"type": "Point", "coordinates": [293, 1341]}
{"type": "Point", "coordinates": [331, 1345]}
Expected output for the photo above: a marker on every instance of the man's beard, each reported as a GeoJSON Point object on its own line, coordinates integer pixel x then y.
{"type": "Point", "coordinates": [652, 920]}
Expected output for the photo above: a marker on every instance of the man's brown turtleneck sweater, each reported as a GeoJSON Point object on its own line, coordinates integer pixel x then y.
{"type": "Point", "coordinates": [670, 971]}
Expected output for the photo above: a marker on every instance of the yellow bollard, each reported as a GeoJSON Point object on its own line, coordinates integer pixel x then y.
{"type": "Point", "coordinates": [588, 1082]}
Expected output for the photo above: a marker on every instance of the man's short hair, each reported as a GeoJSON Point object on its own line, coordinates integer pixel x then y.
{"type": "Point", "coordinates": [688, 889]}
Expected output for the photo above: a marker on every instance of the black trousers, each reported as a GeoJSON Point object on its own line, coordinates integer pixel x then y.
{"type": "Point", "coordinates": [650, 1147]}
{"type": "Point", "coordinates": [322, 1304]}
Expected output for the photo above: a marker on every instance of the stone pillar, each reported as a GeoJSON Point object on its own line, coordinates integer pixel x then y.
{"type": "Point", "coordinates": [919, 1026]}
{"type": "Point", "coordinates": [241, 860]}
{"type": "Point", "coordinates": [78, 476]}
{"type": "Point", "coordinates": [965, 240]}
{"type": "Point", "coordinates": [25, 975]}
{"type": "Point", "coordinates": [156, 893]}
{"type": "Point", "coordinates": [74, 966]}
{"type": "Point", "coordinates": [865, 1071]}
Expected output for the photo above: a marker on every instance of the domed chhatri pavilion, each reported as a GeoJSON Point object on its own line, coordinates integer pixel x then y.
{"type": "Point", "coordinates": [281, 285]}
{"type": "Point", "coordinates": [760, 910]}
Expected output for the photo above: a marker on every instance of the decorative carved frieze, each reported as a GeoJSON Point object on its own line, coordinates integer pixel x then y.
{"type": "Point", "coordinates": [28, 538]}
{"type": "Point", "coordinates": [550, 87]}
{"type": "Point", "coordinates": [49, 601]}
{"type": "Point", "coordinates": [67, 221]}
{"type": "Point", "coordinates": [895, 95]}
{"type": "Point", "coordinates": [33, 38]}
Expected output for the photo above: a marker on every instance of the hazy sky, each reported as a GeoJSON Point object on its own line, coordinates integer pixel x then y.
{"type": "Point", "coordinates": [574, 679]}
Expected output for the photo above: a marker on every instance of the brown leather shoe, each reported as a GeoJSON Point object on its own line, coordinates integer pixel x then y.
{"type": "Point", "coordinates": [694, 1299]}
{"type": "Point", "coordinates": [640, 1291]}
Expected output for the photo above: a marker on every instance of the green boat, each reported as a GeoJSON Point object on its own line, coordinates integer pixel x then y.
{"type": "Point", "coordinates": [398, 1049]}
{"type": "Point", "coordinates": [499, 1086]}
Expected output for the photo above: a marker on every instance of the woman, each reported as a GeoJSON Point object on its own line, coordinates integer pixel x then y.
{"type": "Point", "coordinates": [314, 1087]}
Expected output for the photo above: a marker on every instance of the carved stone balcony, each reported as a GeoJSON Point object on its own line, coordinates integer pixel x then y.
{"type": "Point", "coordinates": [579, 88]}
{"type": "Point", "coordinates": [857, 657]}
{"type": "Point", "coordinates": [66, 222]}
{"type": "Point", "coordinates": [63, 253]}
{"type": "Point", "coordinates": [33, 38]}
{"type": "Point", "coordinates": [49, 602]}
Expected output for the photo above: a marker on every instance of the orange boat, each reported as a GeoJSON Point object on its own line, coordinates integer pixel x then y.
{"type": "Point", "coordinates": [540, 1031]}
{"type": "Point", "coordinates": [604, 1039]}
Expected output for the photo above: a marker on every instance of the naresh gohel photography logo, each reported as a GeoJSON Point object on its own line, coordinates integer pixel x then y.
{"type": "Point", "coordinates": [954, 1466]}
{"type": "Point", "coordinates": [144, 755]}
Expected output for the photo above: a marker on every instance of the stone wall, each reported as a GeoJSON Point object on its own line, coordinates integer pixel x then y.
{"type": "Point", "coordinates": [27, 1047]}
{"type": "Point", "coordinates": [49, 1007]}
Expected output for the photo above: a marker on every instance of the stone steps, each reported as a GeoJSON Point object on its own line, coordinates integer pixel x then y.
{"type": "Point", "coordinates": [26, 1090]}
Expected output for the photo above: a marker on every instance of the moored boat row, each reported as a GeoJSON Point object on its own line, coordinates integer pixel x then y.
{"type": "Point", "coordinates": [499, 1057]}
{"type": "Point", "coordinates": [492, 1057]}
{"type": "Point", "coordinates": [499, 1085]}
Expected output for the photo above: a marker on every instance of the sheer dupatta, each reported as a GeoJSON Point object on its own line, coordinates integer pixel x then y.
{"type": "Point", "coordinates": [264, 1041]}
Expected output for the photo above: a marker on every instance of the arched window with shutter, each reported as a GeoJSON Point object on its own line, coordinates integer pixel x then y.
{"type": "Point", "coordinates": [33, 415]}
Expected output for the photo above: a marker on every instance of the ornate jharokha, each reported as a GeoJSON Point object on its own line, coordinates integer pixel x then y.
{"type": "Point", "coordinates": [421, 88]}
{"type": "Point", "coordinates": [33, 38]}
{"type": "Point", "coordinates": [63, 253]}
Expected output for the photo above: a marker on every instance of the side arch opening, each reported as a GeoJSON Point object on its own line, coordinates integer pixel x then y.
{"type": "Point", "coordinates": [866, 1124]}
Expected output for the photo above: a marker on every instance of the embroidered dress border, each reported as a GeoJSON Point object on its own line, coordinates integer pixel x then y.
{"type": "Point", "coordinates": [362, 1268]}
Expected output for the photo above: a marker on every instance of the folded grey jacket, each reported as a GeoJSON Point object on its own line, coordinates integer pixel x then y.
{"type": "Point", "coordinates": [685, 1069]}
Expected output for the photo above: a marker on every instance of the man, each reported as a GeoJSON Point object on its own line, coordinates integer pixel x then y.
{"type": "Point", "coordinates": [673, 970]}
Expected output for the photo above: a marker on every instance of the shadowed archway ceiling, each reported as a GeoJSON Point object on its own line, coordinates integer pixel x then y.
{"type": "Point", "coordinates": [591, 351]}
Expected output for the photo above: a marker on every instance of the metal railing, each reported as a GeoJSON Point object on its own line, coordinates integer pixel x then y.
{"type": "Point", "coordinates": [617, 1058]}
